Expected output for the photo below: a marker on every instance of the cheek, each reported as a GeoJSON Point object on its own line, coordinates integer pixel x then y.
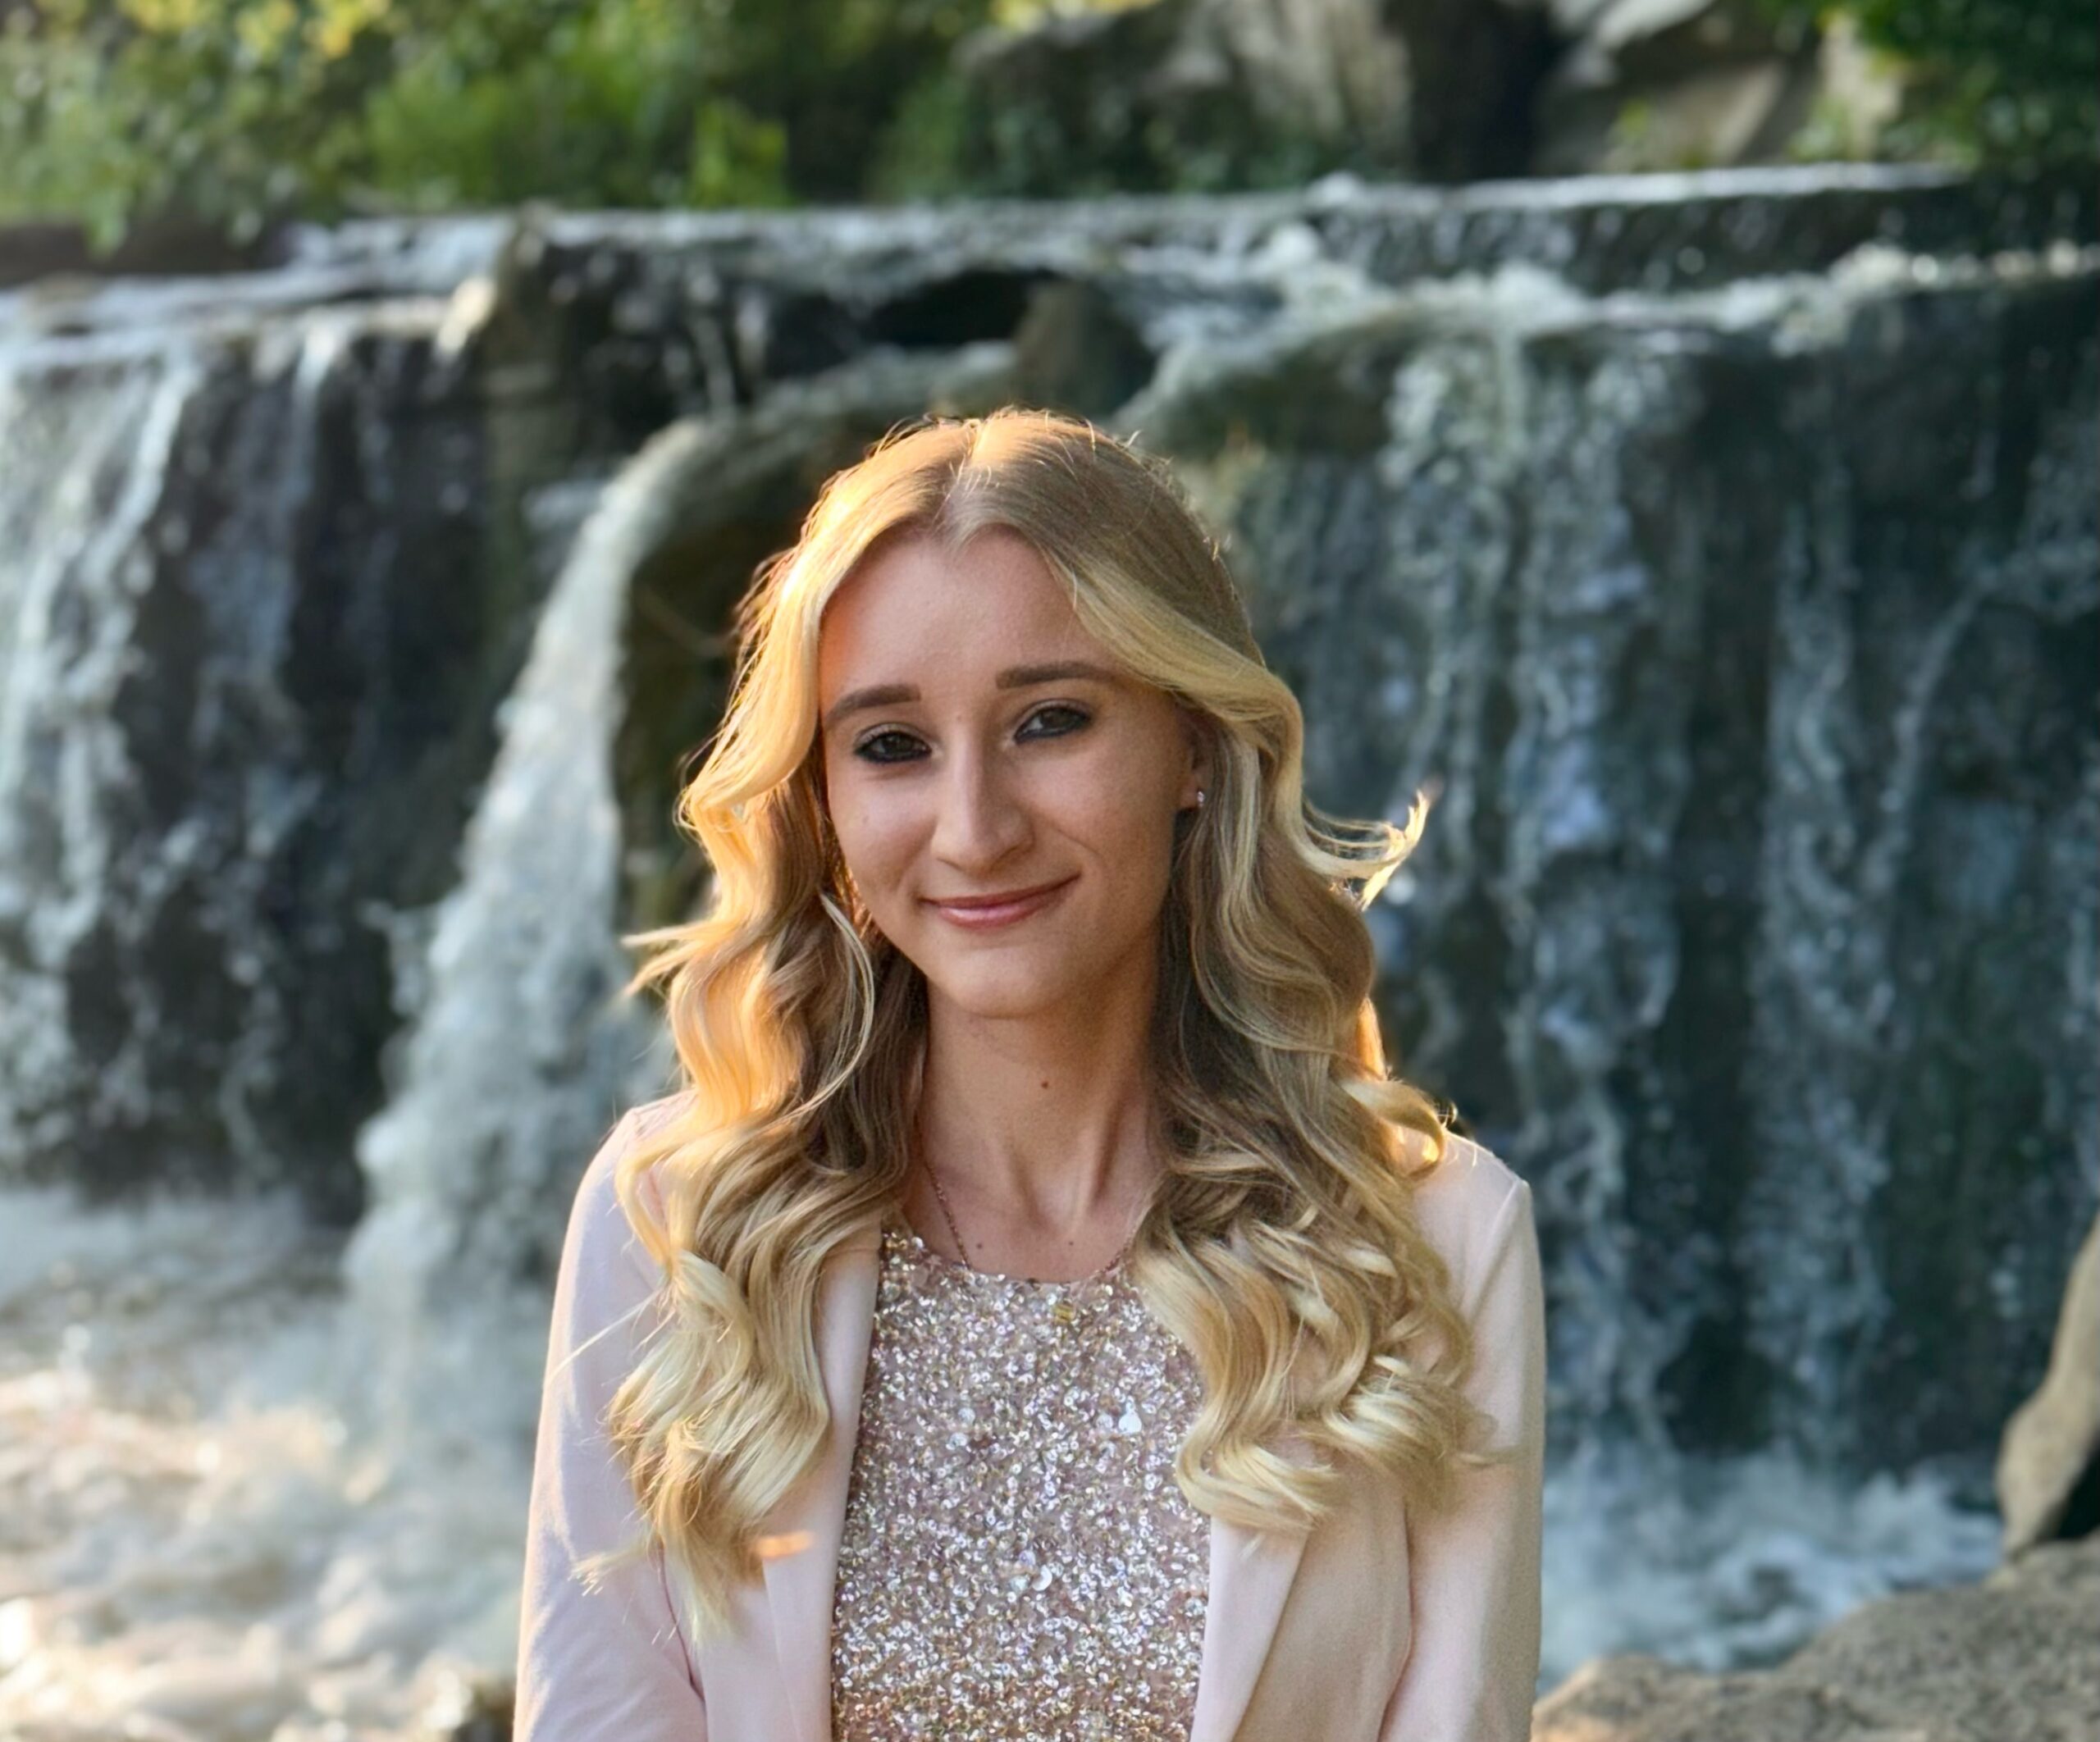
{"type": "Point", "coordinates": [1127, 827]}
{"type": "Point", "coordinates": [871, 839]}
{"type": "Point", "coordinates": [875, 855]}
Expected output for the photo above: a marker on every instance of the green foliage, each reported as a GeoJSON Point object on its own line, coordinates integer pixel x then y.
{"type": "Point", "coordinates": [235, 111]}
{"type": "Point", "coordinates": [2007, 82]}
{"type": "Point", "coordinates": [923, 152]}
{"type": "Point", "coordinates": [614, 109]}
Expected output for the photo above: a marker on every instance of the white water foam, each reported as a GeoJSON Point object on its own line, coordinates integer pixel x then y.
{"type": "Point", "coordinates": [196, 1545]}
{"type": "Point", "coordinates": [1726, 1563]}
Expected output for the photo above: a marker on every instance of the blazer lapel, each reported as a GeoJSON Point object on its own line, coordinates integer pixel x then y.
{"type": "Point", "coordinates": [801, 1561]}
{"type": "Point", "coordinates": [1251, 1574]}
{"type": "Point", "coordinates": [1250, 1571]}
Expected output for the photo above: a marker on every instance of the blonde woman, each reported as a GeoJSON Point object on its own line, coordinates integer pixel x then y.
{"type": "Point", "coordinates": [1040, 1314]}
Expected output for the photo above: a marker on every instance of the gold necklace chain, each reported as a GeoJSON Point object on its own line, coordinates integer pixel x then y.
{"type": "Point", "coordinates": [942, 1196]}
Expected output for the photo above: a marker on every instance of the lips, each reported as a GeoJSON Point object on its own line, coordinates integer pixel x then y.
{"type": "Point", "coordinates": [977, 913]}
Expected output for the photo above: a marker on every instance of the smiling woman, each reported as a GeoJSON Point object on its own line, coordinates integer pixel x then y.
{"type": "Point", "coordinates": [1041, 1313]}
{"type": "Point", "coordinates": [1006, 805]}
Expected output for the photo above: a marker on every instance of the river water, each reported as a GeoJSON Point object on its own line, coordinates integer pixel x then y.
{"type": "Point", "coordinates": [213, 1528]}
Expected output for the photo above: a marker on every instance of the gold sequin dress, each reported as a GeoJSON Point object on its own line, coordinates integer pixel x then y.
{"type": "Point", "coordinates": [1017, 1561]}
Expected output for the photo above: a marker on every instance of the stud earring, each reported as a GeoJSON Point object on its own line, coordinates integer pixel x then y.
{"type": "Point", "coordinates": [1200, 796]}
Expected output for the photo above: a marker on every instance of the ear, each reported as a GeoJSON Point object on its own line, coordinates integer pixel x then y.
{"type": "Point", "coordinates": [1196, 736]}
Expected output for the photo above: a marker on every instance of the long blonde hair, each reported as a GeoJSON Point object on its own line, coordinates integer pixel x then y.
{"type": "Point", "coordinates": [1281, 1249]}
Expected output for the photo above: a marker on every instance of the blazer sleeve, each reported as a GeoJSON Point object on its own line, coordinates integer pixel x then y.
{"type": "Point", "coordinates": [1474, 1567]}
{"type": "Point", "coordinates": [608, 1663]}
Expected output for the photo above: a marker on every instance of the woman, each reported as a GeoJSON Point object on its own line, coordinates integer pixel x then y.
{"type": "Point", "coordinates": [1040, 1314]}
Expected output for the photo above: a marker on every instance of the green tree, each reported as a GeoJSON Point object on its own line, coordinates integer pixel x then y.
{"type": "Point", "coordinates": [233, 113]}
{"type": "Point", "coordinates": [2009, 82]}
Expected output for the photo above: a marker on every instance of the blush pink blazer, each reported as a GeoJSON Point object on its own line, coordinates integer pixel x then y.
{"type": "Point", "coordinates": [1377, 1627]}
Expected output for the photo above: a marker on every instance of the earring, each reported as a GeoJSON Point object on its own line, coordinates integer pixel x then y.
{"type": "Point", "coordinates": [1200, 796]}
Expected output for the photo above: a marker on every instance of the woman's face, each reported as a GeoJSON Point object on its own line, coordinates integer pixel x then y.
{"type": "Point", "coordinates": [978, 742]}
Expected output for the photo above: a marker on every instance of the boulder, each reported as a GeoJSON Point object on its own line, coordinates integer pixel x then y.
{"type": "Point", "coordinates": [2015, 1658]}
{"type": "Point", "coordinates": [1674, 84]}
{"type": "Point", "coordinates": [1184, 93]}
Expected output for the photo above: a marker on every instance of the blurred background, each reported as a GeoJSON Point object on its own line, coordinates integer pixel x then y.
{"type": "Point", "coordinates": [1664, 432]}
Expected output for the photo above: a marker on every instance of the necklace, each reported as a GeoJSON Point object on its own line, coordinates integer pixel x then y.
{"type": "Point", "coordinates": [1060, 1309]}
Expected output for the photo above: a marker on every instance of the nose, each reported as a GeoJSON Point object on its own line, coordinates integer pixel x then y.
{"type": "Point", "coordinates": [979, 822]}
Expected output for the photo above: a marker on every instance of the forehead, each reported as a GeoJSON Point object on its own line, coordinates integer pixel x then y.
{"type": "Point", "coordinates": [917, 603]}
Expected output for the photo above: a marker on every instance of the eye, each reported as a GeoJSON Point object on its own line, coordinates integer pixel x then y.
{"type": "Point", "coordinates": [1078, 717]}
{"type": "Point", "coordinates": [892, 744]}
{"type": "Point", "coordinates": [867, 750]}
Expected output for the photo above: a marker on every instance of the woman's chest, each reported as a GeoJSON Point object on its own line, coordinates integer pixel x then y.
{"type": "Point", "coordinates": [1016, 1559]}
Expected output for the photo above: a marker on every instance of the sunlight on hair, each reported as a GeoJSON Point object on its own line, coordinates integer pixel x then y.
{"type": "Point", "coordinates": [1283, 1250]}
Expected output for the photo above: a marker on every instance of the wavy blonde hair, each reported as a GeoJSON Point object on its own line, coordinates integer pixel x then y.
{"type": "Point", "coordinates": [1281, 1249]}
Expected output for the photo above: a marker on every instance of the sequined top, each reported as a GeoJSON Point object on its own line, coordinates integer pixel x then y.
{"type": "Point", "coordinates": [1017, 1560]}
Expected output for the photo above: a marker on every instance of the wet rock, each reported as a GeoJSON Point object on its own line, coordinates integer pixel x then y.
{"type": "Point", "coordinates": [32, 250]}
{"type": "Point", "coordinates": [1182, 93]}
{"type": "Point", "coordinates": [268, 589]}
{"type": "Point", "coordinates": [483, 1709]}
{"type": "Point", "coordinates": [1241, 93]}
{"type": "Point", "coordinates": [1671, 84]}
{"type": "Point", "coordinates": [2013, 1659]}
{"type": "Point", "coordinates": [1738, 730]}
{"type": "Point", "coordinates": [1474, 71]}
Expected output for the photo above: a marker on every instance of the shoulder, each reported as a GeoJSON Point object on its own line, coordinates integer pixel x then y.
{"type": "Point", "coordinates": [1470, 1205]}
{"type": "Point", "coordinates": [599, 1235]}
{"type": "Point", "coordinates": [653, 1115]}
{"type": "Point", "coordinates": [643, 1120]}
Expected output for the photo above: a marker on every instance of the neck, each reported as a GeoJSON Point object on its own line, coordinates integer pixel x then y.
{"type": "Point", "coordinates": [1041, 1131]}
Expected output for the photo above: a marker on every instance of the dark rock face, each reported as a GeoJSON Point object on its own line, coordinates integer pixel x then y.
{"type": "Point", "coordinates": [1718, 553]}
{"type": "Point", "coordinates": [1476, 67]}
{"type": "Point", "coordinates": [265, 589]}
{"type": "Point", "coordinates": [1187, 94]}
{"type": "Point", "coordinates": [1748, 725]}
{"type": "Point", "coordinates": [28, 251]}
{"type": "Point", "coordinates": [1932, 818]}
{"type": "Point", "coordinates": [1249, 92]}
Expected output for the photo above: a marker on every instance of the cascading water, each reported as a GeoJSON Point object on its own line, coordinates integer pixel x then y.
{"type": "Point", "coordinates": [1682, 640]}
{"type": "Point", "coordinates": [1743, 643]}
{"type": "Point", "coordinates": [261, 593]}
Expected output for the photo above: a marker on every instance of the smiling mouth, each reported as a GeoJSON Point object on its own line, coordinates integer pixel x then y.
{"type": "Point", "coordinates": [978, 912]}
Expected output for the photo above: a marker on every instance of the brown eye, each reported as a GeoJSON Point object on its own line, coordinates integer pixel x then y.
{"type": "Point", "coordinates": [1076, 716]}
{"type": "Point", "coordinates": [866, 750]}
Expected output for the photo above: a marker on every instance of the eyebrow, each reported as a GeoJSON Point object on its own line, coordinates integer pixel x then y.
{"type": "Point", "coordinates": [1014, 678]}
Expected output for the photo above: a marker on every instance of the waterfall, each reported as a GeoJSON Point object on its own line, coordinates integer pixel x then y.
{"type": "Point", "coordinates": [1719, 553]}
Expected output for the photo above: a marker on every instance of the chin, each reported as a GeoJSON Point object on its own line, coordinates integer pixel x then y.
{"type": "Point", "coordinates": [1002, 991]}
